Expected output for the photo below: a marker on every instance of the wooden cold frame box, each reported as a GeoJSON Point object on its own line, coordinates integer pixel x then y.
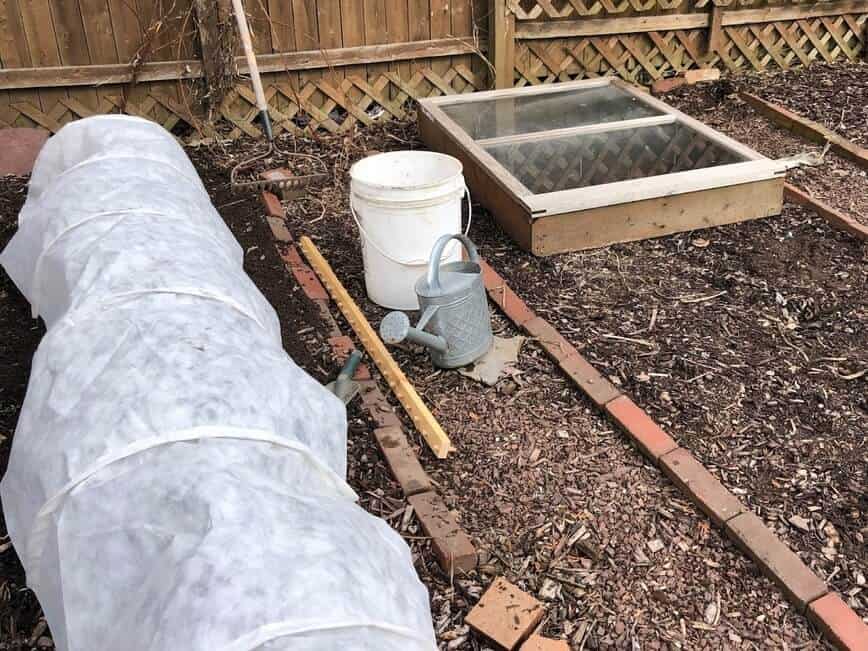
{"type": "Point", "coordinates": [584, 164]}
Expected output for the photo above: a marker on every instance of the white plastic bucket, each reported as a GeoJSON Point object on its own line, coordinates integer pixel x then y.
{"type": "Point", "coordinates": [403, 201]}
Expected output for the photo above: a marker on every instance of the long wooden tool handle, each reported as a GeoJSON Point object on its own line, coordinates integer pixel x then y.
{"type": "Point", "coordinates": [244, 30]}
{"type": "Point", "coordinates": [423, 419]}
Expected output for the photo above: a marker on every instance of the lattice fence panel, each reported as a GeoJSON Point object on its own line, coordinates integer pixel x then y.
{"type": "Point", "coordinates": [329, 103]}
{"type": "Point", "coordinates": [557, 9]}
{"type": "Point", "coordinates": [643, 58]}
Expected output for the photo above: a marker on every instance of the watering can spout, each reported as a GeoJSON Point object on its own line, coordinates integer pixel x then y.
{"type": "Point", "coordinates": [396, 328]}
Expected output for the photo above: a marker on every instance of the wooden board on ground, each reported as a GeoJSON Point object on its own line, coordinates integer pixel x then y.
{"type": "Point", "coordinates": [418, 411]}
{"type": "Point", "coordinates": [584, 186]}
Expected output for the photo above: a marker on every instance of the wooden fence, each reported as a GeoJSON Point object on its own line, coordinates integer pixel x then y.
{"type": "Point", "coordinates": [331, 64]}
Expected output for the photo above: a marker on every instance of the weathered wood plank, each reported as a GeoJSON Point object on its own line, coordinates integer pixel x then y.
{"type": "Point", "coordinates": [19, 78]}
{"type": "Point", "coordinates": [639, 24]}
{"type": "Point", "coordinates": [813, 131]}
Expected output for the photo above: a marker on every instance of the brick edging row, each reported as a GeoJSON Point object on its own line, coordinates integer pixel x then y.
{"type": "Point", "coordinates": [804, 589]}
{"type": "Point", "coordinates": [451, 545]}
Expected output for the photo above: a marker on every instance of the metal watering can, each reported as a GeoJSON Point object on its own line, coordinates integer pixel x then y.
{"type": "Point", "coordinates": [455, 324]}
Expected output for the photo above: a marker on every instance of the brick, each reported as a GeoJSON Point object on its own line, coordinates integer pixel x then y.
{"type": "Point", "coordinates": [454, 551]}
{"type": "Point", "coordinates": [505, 614]}
{"type": "Point", "coordinates": [506, 299]}
{"type": "Point", "coordinates": [540, 643]}
{"type": "Point", "coordinates": [662, 86]}
{"type": "Point", "coordinates": [279, 230]}
{"type": "Point", "coordinates": [550, 339]}
{"type": "Point", "coordinates": [378, 407]}
{"type": "Point", "coordinates": [639, 426]}
{"type": "Point", "coordinates": [703, 488]}
{"type": "Point", "coordinates": [839, 623]}
{"type": "Point", "coordinates": [589, 380]}
{"type": "Point", "coordinates": [20, 147]}
{"type": "Point", "coordinates": [701, 74]}
{"type": "Point", "coordinates": [278, 175]}
{"type": "Point", "coordinates": [402, 460]}
{"type": "Point", "coordinates": [306, 278]}
{"type": "Point", "coordinates": [273, 207]}
{"type": "Point", "coordinates": [776, 560]}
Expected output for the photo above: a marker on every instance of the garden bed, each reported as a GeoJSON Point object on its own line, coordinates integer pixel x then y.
{"type": "Point", "coordinates": [535, 464]}
{"type": "Point", "coordinates": [837, 181]}
{"type": "Point", "coordinates": [747, 342]}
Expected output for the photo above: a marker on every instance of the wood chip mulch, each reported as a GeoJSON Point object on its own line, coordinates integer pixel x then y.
{"type": "Point", "coordinates": [838, 181]}
{"type": "Point", "coordinates": [747, 342]}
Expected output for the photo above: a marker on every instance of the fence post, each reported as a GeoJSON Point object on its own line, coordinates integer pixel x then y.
{"type": "Point", "coordinates": [501, 43]}
{"type": "Point", "coordinates": [217, 41]}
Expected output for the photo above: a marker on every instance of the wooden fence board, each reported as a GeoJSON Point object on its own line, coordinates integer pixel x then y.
{"type": "Point", "coordinates": [14, 52]}
{"type": "Point", "coordinates": [328, 62]}
{"type": "Point", "coordinates": [98, 31]}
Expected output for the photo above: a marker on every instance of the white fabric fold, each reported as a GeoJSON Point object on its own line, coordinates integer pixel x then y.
{"type": "Point", "coordinates": [175, 480]}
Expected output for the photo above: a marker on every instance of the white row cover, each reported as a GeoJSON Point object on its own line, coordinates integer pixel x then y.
{"type": "Point", "coordinates": [176, 481]}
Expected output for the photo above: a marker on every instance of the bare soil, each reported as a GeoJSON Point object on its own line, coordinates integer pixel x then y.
{"type": "Point", "coordinates": [20, 614]}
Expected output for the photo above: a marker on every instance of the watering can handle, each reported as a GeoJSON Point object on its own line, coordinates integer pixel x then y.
{"type": "Point", "coordinates": [437, 253]}
{"type": "Point", "coordinates": [379, 250]}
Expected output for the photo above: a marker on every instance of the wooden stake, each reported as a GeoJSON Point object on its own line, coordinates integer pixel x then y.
{"type": "Point", "coordinates": [423, 419]}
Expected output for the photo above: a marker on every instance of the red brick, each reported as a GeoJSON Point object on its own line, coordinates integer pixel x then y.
{"type": "Point", "coordinates": [341, 347]}
{"type": "Point", "coordinates": [835, 217]}
{"type": "Point", "coordinates": [839, 623]}
{"type": "Point", "coordinates": [402, 460]}
{"type": "Point", "coordinates": [279, 230]}
{"type": "Point", "coordinates": [701, 74]}
{"type": "Point", "coordinates": [589, 380]}
{"type": "Point", "coordinates": [776, 560]}
{"type": "Point", "coordinates": [273, 207]}
{"type": "Point", "coordinates": [378, 407]}
{"type": "Point", "coordinates": [506, 299]}
{"type": "Point", "coordinates": [278, 175]}
{"type": "Point", "coordinates": [20, 147]}
{"type": "Point", "coordinates": [505, 614]}
{"type": "Point", "coordinates": [455, 553]}
{"type": "Point", "coordinates": [306, 278]}
{"type": "Point", "coordinates": [639, 426]}
{"type": "Point", "coordinates": [550, 339]}
{"type": "Point", "coordinates": [662, 86]}
{"type": "Point", "coordinates": [540, 643]}
{"type": "Point", "coordinates": [702, 487]}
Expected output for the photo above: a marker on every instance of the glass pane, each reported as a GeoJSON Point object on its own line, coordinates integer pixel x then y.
{"type": "Point", "coordinates": [508, 116]}
{"type": "Point", "coordinates": [580, 161]}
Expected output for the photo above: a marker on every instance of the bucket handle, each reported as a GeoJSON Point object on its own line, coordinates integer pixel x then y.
{"type": "Point", "coordinates": [369, 239]}
{"type": "Point", "coordinates": [437, 252]}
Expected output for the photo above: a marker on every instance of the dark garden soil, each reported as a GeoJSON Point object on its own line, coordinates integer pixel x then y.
{"type": "Point", "coordinates": [21, 626]}
{"type": "Point", "coordinates": [749, 343]}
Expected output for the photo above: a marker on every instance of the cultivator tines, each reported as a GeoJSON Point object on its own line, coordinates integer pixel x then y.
{"type": "Point", "coordinates": [295, 184]}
